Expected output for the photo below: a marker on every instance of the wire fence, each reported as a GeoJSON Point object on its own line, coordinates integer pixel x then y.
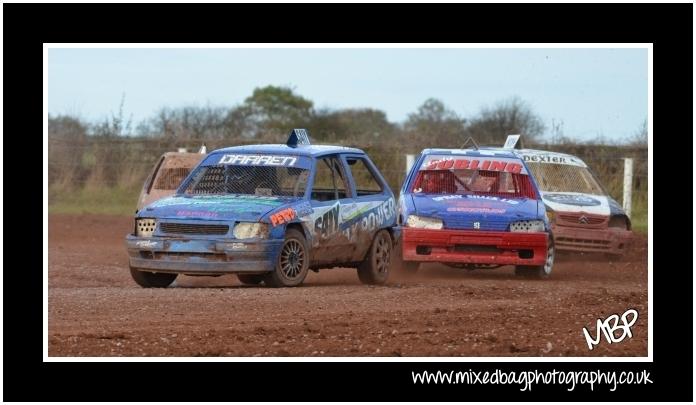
{"type": "Point", "coordinates": [125, 162]}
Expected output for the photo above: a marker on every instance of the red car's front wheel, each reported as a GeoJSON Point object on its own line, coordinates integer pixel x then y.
{"type": "Point", "coordinates": [542, 271]}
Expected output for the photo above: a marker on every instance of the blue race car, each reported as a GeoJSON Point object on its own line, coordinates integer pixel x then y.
{"type": "Point", "coordinates": [474, 208]}
{"type": "Point", "coordinates": [269, 213]}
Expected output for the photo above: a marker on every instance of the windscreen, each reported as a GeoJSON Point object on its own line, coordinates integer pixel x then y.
{"type": "Point", "coordinates": [499, 177]}
{"type": "Point", "coordinates": [553, 177]}
{"type": "Point", "coordinates": [264, 175]}
{"type": "Point", "coordinates": [170, 178]}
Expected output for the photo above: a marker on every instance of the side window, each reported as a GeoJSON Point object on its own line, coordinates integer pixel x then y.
{"type": "Point", "coordinates": [329, 181]}
{"type": "Point", "coordinates": [341, 183]}
{"type": "Point", "coordinates": [365, 181]}
{"type": "Point", "coordinates": [295, 182]}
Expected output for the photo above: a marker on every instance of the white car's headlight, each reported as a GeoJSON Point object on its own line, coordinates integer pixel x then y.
{"type": "Point", "coordinates": [415, 221]}
{"type": "Point", "coordinates": [145, 227]}
{"type": "Point", "coordinates": [248, 230]}
{"type": "Point", "coordinates": [527, 226]}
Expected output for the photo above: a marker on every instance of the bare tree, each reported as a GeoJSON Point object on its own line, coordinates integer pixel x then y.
{"type": "Point", "coordinates": [512, 116]}
{"type": "Point", "coordinates": [640, 137]}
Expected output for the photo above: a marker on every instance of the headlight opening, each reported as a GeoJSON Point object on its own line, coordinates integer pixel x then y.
{"type": "Point", "coordinates": [249, 230]}
{"type": "Point", "coordinates": [145, 227]}
{"type": "Point", "coordinates": [415, 221]}
{"type": "Point", "coordinates": [527, 226]}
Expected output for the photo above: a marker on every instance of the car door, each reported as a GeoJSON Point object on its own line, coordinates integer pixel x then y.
{"type": "Point", "coordinates": [373, 208]}
{"type": "Point", "coordinates": [330, 197]}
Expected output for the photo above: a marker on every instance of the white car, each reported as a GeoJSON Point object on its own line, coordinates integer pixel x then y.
{"type": "Point", "coordinates": [166, 176]}
{"type": "Point", "coordinates": [582, 214]}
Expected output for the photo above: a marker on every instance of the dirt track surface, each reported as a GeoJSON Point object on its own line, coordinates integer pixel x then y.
{"type": "Point", "coordinates": [95, 309]}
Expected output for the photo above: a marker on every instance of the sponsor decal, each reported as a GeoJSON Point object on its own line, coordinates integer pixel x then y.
{"type": "Point", "coordinates": [326, 224]}
{"type": "Point", "coordinates": [475, 197]}
{"type": "Point", "coordinates": [378, 216]}
{"type": "Point", "coordinates": [572, 199]}
{"type": "Point", "coordinates": [258, 160]}
{"type": "Point", "coordinates": [448, 197]}
{"type": "Point", "coordinates": [484, 210]}
{"type": "Point", "coordinates": [283, 216]}
{"type": "Point", "coordinates": [239, 246]}
{"type": "Point", "coordinates": [368, 217]}
{"type": "Point", "coordinates": [221, 200]}
{"type": "Point", "coordinates": [203, 214]}
{"type": "Point", "coordinates": [365, 216]}
{"type": "Point", "coordinates": [492, 198]}
{"type": "Point", "coordinates": [146, 243]}
{"type": "Point", "coordinates": [547, 158]}
{"type": "Point", "coordinates": [354, 210]}
{"type": "Point", "coordinates": [496, 165]}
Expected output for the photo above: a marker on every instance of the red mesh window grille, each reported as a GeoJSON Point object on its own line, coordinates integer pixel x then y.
{"type": "Point", "coordinates": [477, 182]}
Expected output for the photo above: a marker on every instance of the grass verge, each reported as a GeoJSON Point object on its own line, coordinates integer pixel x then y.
{"type": "Point", "coordinates": [113, 201]}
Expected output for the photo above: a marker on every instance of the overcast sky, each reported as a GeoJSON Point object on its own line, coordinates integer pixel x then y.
{"type": "Point", "coordinates": [592, 91]}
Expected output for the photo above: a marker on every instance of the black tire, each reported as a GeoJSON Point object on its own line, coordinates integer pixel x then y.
{"type": "Point", "coordinates": [375, 268]}
{"type": "Point", "coordinates": [148, 279]}
{"type": "Point", "coordinates": [250, 279]}
{"type": "Point", "coordinates": [292, 263]}
{"type": "Point", "coordinates": [543, 271]}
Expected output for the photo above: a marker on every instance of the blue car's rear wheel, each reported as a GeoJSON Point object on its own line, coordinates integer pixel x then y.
{"type": "Point", "coordinates": [292, 263]}
{"type": "Point", "coordinates": [375, 268]}
{"type": "Point", "coordinates": [149, 279]}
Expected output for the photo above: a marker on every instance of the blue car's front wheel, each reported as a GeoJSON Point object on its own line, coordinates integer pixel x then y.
{"type": "Point", "coordinates": [149, 279]}
{"type": "Point", "coordinates": [292, 263]}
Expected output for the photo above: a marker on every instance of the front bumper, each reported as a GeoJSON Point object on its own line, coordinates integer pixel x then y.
{"type": "Point", "coordinates": [475, 247]}
{"type": "Point", "coordinates": [202, 256]}
{"type": "Point", "coordinates": [607, 240]}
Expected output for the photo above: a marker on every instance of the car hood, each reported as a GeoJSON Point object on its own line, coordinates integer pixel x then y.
{"type": "Point", "coordinates": [241, 207]}
{"type": "Point", "coordinates": [463, 211]}
{"type": "Point", "coordinates": [577, 202]}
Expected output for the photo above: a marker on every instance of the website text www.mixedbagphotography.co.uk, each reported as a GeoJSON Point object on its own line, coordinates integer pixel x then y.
{"type": "Point", "coordinates": [526, 379]}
